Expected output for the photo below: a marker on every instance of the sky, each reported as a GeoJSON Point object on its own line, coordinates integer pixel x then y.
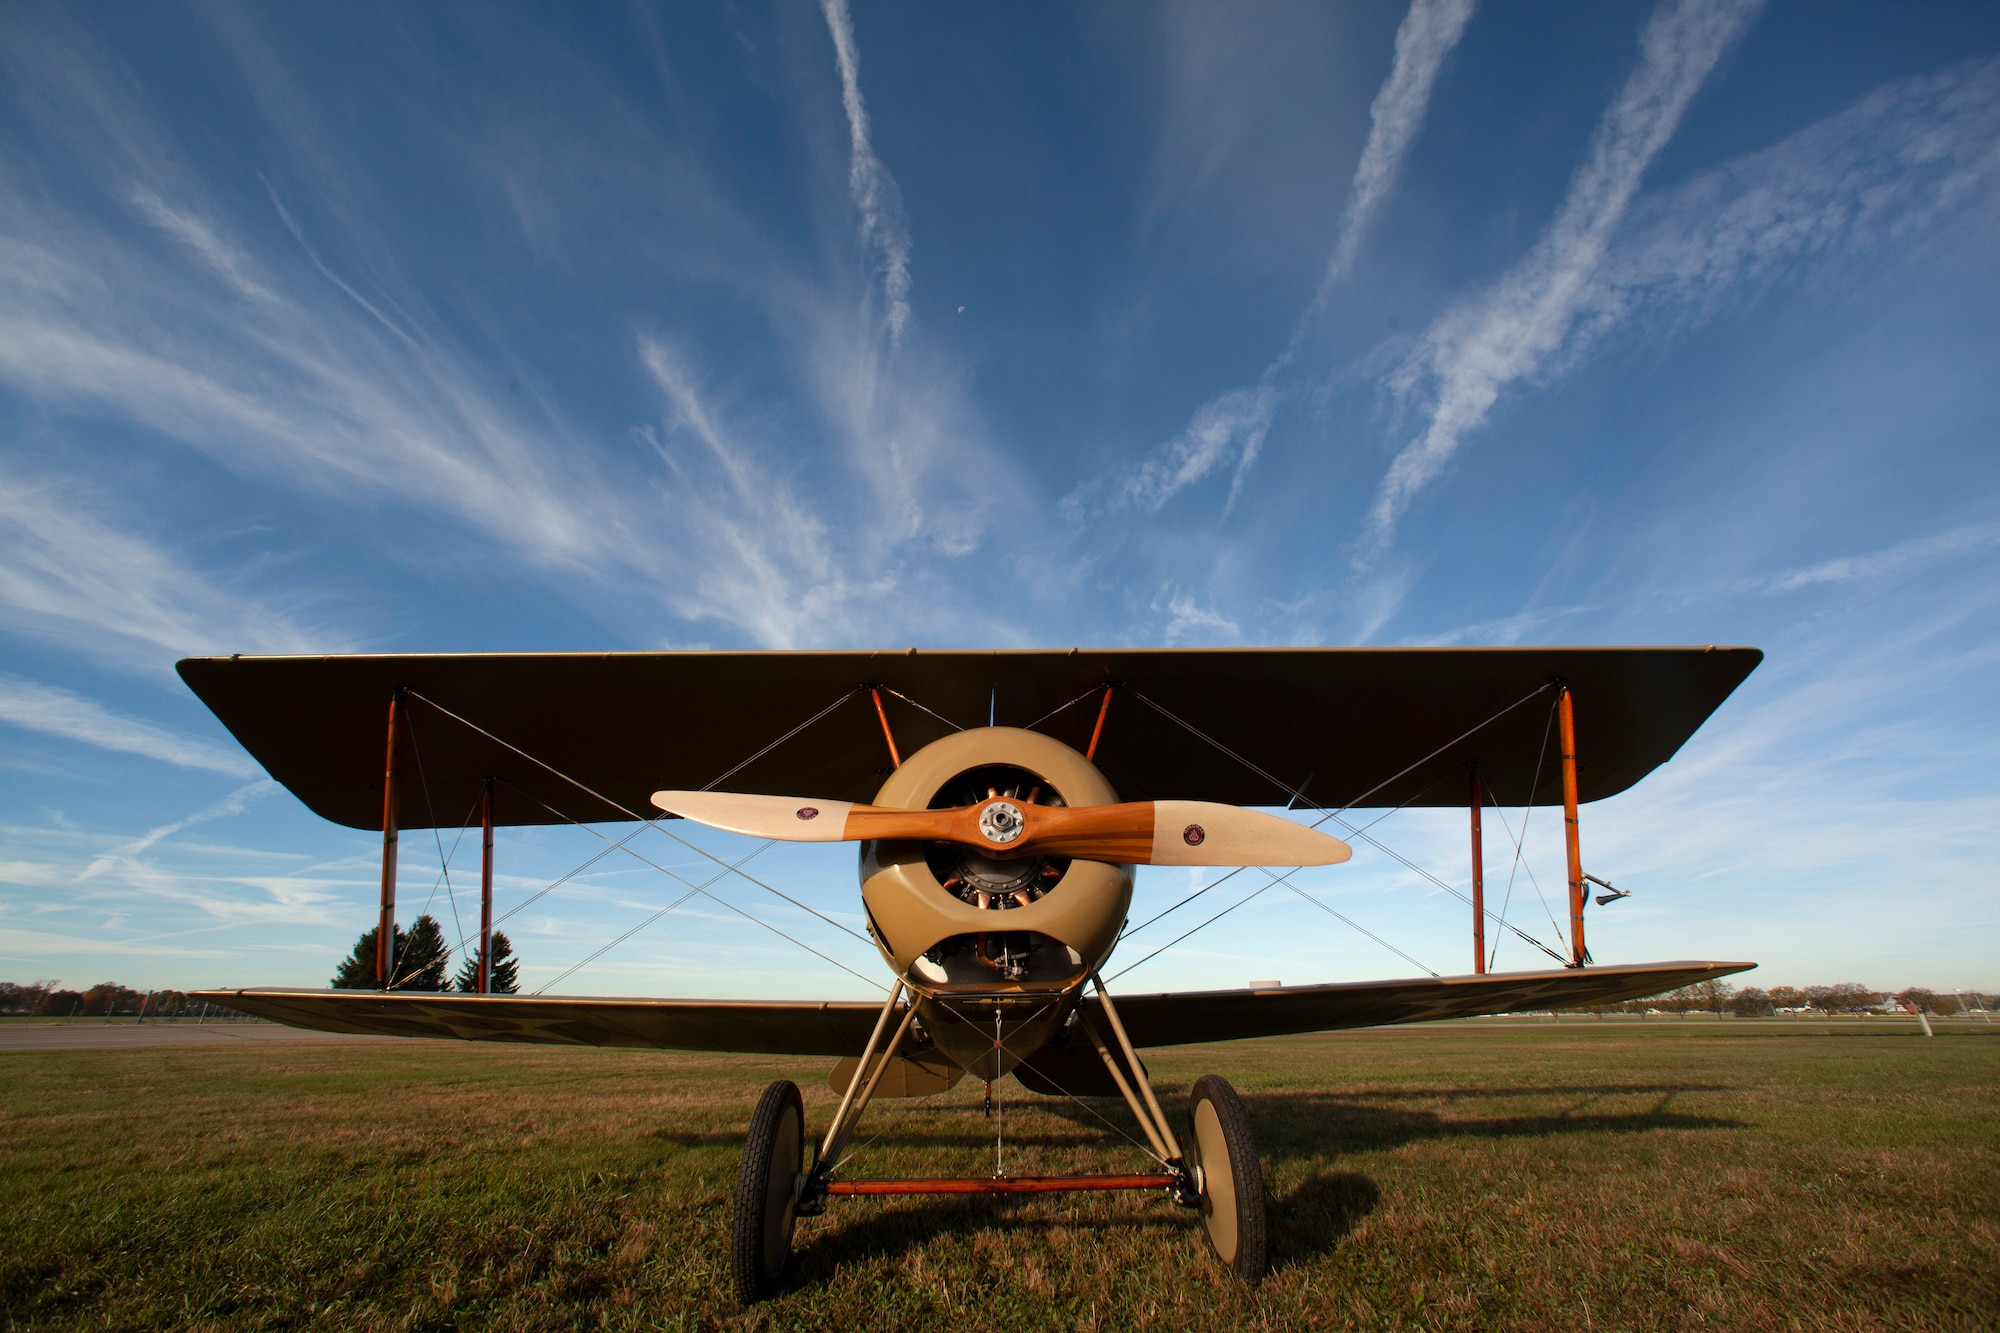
{"type": "Point", "coordinates": [520, 327]}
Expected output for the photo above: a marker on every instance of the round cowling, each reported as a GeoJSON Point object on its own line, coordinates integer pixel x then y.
{"type": "Point", "coordinates": [913, 914]}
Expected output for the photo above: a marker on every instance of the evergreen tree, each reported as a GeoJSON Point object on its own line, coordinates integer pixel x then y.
{"type": "Point", "coordinates": [357, 970]}
{"type": "Point", "coordinates": [506, 968]}
{"type": "Point", "coordinates": [419, 962]}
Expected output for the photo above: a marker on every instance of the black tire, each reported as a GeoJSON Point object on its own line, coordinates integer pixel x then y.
{"type": "Point", "coordinates": [767, 1192]}
{"type": "Point", "coordinates": [1232, 1179]}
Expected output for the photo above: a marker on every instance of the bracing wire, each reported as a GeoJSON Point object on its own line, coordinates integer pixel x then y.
{"type": "Point", "coordinates": [1203, 926]}
{"type": "Point", "coordinates": [702, 851]}
{"type": "Point", "coordinates": [721, 902]}
{"type": "Point", "coordinates": [444, 862]}
{"type": "Point", "coordinates": [896, 693]}
{"type": "Point", "coordinates": [1363, 929]}
{"type": "Point", "coordinates": [1520, 847]}
{"type": "Point", "coordinates": [1095, 689]}
{"type": "Point", "coordinates": [575, 967]}
{"type": "Point", "coordinates": [1359, 831]}
{"type": "Point", "coordinates": [621, 844]}
{"type": "Point", "coordinates": [716, 782]}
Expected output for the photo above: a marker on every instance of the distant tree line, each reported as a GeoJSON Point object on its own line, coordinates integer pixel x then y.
{"type": "Point", "coordinates": [47, 999]}
{"type": "Point", "coordinates": [422, 959]}
{"type": "Point", "coordinates": [1847, 997]}
{"type": "Point", "coordinates": [422, 963]}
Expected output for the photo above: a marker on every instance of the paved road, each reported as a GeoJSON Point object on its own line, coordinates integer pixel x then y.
{"type": "Point", "coordinates": [18, 1035]}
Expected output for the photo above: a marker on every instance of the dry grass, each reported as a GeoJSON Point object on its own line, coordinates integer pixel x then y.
{"type": "Point", "coordinates": [1614, 1176]}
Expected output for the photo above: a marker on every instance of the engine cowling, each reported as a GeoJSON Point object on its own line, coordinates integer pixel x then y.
{"type": "Point", "coordinates": [951, 920]}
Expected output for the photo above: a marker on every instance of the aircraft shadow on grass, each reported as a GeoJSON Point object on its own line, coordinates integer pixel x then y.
{"type": "Point", "coordinates": [1304, 1124]}
{"type": "Point", "coordinates": [1309, 1219]}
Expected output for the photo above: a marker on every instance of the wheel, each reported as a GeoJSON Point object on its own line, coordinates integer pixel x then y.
{"type": "Point", "coordinates": [767, 1192]}
{"type": "Point", "coordinates": [1232, 1180]}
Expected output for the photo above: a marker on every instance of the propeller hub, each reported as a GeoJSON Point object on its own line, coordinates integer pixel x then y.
{"type": "Point", "coordinates": [1002, 822]}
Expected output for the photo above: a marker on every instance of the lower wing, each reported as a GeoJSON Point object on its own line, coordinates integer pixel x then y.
{"type": "Point", "coordinates": [841, 1027]}
{"type": "Point", "coordinates": [757, 1027]}
{"type": "Point", "coordinates": [1222, 1015]}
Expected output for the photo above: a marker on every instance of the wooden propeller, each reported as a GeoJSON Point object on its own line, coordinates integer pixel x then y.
{"type": "Point", "coordinates": [1160, 833]}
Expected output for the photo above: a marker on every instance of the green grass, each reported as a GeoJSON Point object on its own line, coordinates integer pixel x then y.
{"type": "Point", "coordinates": [1531, 1176]}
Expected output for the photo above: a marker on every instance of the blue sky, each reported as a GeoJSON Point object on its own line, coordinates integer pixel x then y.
{"type": "Point", "coordinates": [528, 327]}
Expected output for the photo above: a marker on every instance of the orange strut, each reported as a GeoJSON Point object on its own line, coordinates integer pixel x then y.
{"type": "Point", "coordinates": [486, 888]}
{"type": "Point", "coordinates": [1568, 719]}
{"type": "Point", "coordinates": [385, 939]}
{"type": "Point", "coordinates": [1098, 731]}
{"type": "Point", "coordinates": [1478, 880]}
{"type": "Point", "coordinates": [887, 735]}
{"type": "Point", "coordinates": [1002, 1184]}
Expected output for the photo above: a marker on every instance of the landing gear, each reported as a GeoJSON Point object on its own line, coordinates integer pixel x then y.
{"type": "Point", "coordinates": [1231, 1180]}
{"type": "Point", "coordinates": [767, 1189]}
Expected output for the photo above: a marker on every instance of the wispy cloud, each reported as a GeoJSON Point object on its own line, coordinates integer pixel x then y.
{"type": "Point", "coordinates": [296, 356]}
{"type": "Point", "coordinates": [1876, 176]}
{"type": "Point", "coordinates": [1896, 561]}
{"type": "Point", "coordinates": [232, 804]}
{"type": "Point", "coordinates": [58, 712]}
{"type": "Point", "coordinates": [1234, 424]}
{"type": "Point", "coordinates": [780, 578]}
{"type": "Point", "coordinates": [96, 586]}
{"type": "Point", "coordinates": [876, 197]}
{"type": "Point", "coordinates": [1474, 352]}
{"type": "Point", "coordinates": [1426, 37]}
{"type": "Point", "coordinates": [198, 237]}
{"type": "Point", "coordinates": [1189, 619]}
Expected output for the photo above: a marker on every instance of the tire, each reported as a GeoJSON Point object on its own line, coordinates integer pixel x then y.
{"type": "Point", "coordinates": [767, 1192]}
{"type": "Point", "coordinates": [1232, 1179]}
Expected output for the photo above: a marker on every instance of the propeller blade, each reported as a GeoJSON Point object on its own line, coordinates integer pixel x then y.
{"type": "Point", "coordinates": [1168, 833]}
{"type": "Point", "coordinates": [784, 818]}
{"type": "Point", "coordinates": [1202, 833]}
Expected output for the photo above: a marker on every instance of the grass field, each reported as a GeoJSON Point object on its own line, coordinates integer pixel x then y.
{"type": "Point", "coordinates": [1534, 1176]}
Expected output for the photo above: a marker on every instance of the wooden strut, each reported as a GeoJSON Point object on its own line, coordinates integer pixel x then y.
{"type": "Point", "coordinates": [1567, 720]}
{"type": "Point", "coordinates": [1097, 732]}
{"type": "Point", "coordinates": [1139, 1111]}
{"type": "Point", "coordinates": [895, 760]}
{"type": "Point", "coordinates": [1478, 880]}
{"type": "Point", "coordinates": [852, 1106]}
{"type": "Point", "coordinates": [486, 889]}
{"type": "Point", "coordinates": [1145, 1085]}
{"type": "Point", "coordinates": [385, 937]}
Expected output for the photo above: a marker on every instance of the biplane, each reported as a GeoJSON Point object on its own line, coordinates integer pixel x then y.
{"type": "Point", "coordinates": [999, 802]}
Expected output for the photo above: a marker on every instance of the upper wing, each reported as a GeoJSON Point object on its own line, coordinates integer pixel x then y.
{"type": "Point", "coordinates": [1222, 1015]}
{"type": "Point", "coordinates": [758, 1027]}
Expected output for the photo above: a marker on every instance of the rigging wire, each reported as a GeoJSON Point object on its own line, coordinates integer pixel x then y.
{"type": "Point", "coordinates": [1359, 831]}
{"type": "Point", "coordinates": [1203, 926]}
{"type": "Point", "coordinates": [766, 887]}
{"type": "Point", "coordinates": [1133, 930]}
{"type": "Point", "coordinates": [621, 844]}
{"type": "Point", "coordinates": [891, 690]}
{"type": "Point", "coordinates": [642, 925]}
{"type": "Point", "coordinates": [1520, 847]}
{"type": "Point", "coordinates": [1363, 929]}
{"type": "Point", "coordinates": [721, 902]}
{"type": "Point", "coordinates": [713, 784]}
{"type": "Point", "coordinates": [444, 862]}
{"type": "Point", "coordinates": [1066, 707]}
